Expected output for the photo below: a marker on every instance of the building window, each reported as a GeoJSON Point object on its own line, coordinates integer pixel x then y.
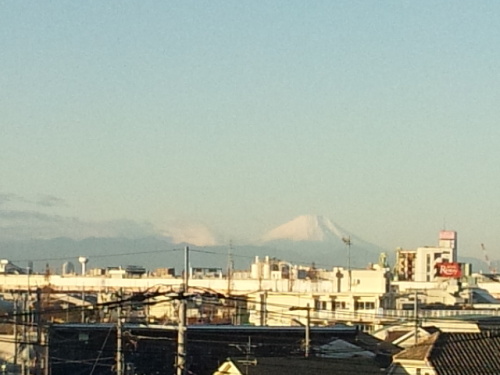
{"type": "Point", "coordinates": [340, 305]}
{"type": "Point", "coordinates": [317, 304]}
{"type": "Point", "coordinates": [360, 305]}
{"type": "Point", "coordinates": [365, 327]}
{"type": "Point", "coordinates": [418, 372]}
{"type": "Point", "coordinates": [369, 305]}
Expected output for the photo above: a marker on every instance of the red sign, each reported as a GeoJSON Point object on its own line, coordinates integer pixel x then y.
{"type": "Point", "coordinates": [447, 235]}
{"type": "Point", "coordinates": [452, 270]}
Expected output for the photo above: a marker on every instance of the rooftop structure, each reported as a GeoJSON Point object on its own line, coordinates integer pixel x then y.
{"type": "Point", "coordinates": [421, 265]}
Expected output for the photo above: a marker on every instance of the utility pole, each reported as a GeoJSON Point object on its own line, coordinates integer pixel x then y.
{"type": "Point", "coordinates": [27, 330]}
{"type": "Point", "coordinates": [46, 360]}
{"type": "Point", "coordinates": [38, 316]}
{"type": "Point", "coordinates": [415, 313]}
{"type": "Point", "coordinates": [83, 303]}
{"type": "Point", "coordinates": [263, 308]}
{"type": "Point", "coordinates": [119, 351]}
{"type": "Point", "coordinates": [83, 261]}
{"type": "Point", "coordinates": [308, 332]}
{"type": "Point", "coordinates": [347, 241]}
{"type": "Point", "coordinates": [16, 341]}
{"type": "Point", "coordinates": [230, 266]}
{"type": "Point", "coordinates": [229, 280]}
{"type": "Point", "coordinates": [29, 321]}
{"type": "Point", "coordinates": [182, 330]}
{"type": "Point", "coordinates": [307, 344]}
{"type": "Point", "coordinates": [24, 321]}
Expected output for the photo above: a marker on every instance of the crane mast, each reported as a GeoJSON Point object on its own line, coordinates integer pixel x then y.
{"type": "Point", "coordinates": [491, 269]}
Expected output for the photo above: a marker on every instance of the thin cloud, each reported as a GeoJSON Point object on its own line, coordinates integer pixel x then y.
{"type": "Point", "coordinates": [27, 216]}
{"type": "Point", "coordinates": [10, 198]}
{"type": "Point", "coordinates": [49, 201]}
{"type": "Point", "coordinates": [44, 200]}
{"type": "Point", "coordinates": [192, 233]}
{"type": "Point", "coordinates": [18, 225]}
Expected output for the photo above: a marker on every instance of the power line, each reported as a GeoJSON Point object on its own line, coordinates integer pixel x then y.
{"type": "Point", "coordinates": [99, 255]}
{"type": "Point", "coordinates": [147, 298]}
{"type": "Point", "coordinates": [253, 257]}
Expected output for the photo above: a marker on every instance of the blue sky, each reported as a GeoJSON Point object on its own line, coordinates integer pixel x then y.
{"type": "Point", "coordinates": [239, 116]}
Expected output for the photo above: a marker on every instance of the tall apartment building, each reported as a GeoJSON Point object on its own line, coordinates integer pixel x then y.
{"type": "Point", "coordinates": [420, 264]}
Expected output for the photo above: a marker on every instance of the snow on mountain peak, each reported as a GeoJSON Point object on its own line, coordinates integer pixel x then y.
{"type": "Point", "coordinates": [305, 228]}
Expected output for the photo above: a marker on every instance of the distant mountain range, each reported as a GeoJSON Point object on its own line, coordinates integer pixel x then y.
{"type": "Point", "coordinates": [304, 240]}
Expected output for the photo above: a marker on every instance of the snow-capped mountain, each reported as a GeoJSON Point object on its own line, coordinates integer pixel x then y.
{"type": "Point", "coordinates": [320, 239]}
{"type": "Point", "coordinates": [307, 228]}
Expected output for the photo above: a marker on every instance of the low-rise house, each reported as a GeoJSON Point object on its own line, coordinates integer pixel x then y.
{"type": "Point", "coordinates": [451, 353]}
{"type": "Point", "coordinates": [415, 360]}
{"type": "Point", "coordinates": [294, 365]}
{"type": "Point", "coordinates": [406, 336]}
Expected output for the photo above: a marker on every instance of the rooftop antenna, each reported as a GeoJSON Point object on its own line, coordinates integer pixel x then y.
{"type": "Point", "coordinates": [230, 266]}
{"type": "Point", "coordinates": [347, 241]}
{"type": "Point", "coordinates": [247, 350]}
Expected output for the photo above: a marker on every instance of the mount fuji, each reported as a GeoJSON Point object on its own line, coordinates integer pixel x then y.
{"type": "Point", "coordinates": [307, 228]}
{"type": "Point", "coordinates": [320, 239]}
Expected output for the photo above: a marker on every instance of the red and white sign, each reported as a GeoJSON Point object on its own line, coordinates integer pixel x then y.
{"type": "Point", "coordinates": [447, 235]}
{"type": "Point", "coordinates": [452, 270]}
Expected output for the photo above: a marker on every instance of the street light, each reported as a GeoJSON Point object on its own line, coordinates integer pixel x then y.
{"type": "Point", "coordinates": [308, 326]}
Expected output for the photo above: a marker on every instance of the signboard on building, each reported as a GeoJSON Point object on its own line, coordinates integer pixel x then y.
{"type": "Point", "coordinates": [451, 270]}
{"type": "Point", "coordinates": [447, 235]}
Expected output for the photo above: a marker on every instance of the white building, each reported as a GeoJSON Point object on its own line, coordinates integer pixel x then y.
{"type": "Point", "coordinates": [420, 265]}
{"type": "Point", "coordinates": [270, 287]}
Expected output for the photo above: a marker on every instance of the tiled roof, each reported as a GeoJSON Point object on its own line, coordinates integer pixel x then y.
{"type": "Point", "coordinates": [431, 329]}
{"type": "Point", "coordinates": [312, 366]}
{"type": "Point", "coordinates": [419, 352]}
{"type": "Point", "coordinates": [467, 353]}
{"type": "Point", "coordinates": [394, 335]}
{"type": "Point", "coordinates": [375, 345]}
